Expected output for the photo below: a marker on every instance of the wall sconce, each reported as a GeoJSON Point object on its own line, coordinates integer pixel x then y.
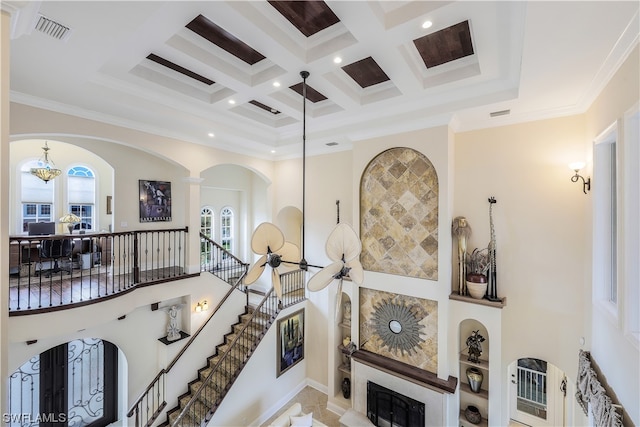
{"type": "Point", "coordinates": [586, 184]}
{"type": "Point", "coordinates": [202, 306]}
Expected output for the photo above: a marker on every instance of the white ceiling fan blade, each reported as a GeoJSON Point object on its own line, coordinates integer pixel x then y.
{"type": "Point", "coordinates": [277, 286]}
{"type": "Point", "coordinates": [322, 278]}
{"type": "Point", "coordinates": [356, 272]}
{"type": "Point", "coordinates": [289, 252]}
{"type": "Point", "coordinates": [266, 237]}
{"type": "Point", "coordinates": [343, 241]}
{"type": "Point", "coordinates": [255, 271]}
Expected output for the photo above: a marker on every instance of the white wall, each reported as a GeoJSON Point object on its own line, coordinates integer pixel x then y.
{"type": "Point", "coordinates": [610, 347]}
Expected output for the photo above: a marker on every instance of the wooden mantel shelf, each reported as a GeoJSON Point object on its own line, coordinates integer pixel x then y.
{"type": "Point", "coordinates": [406, 371]}
{"type": "Point", "coordinates": [484, 301]}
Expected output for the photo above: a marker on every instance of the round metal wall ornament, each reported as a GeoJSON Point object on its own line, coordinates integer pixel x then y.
{"type": "Point", "coordinates": [397, 326]}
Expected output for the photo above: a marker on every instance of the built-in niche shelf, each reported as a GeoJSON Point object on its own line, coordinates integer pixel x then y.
{"type": "Point", "coordinates": [497, 304]}
{"type": "Point", "coordinates": [479, 399]}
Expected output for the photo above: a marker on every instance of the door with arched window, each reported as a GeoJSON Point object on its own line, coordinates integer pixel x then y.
{"type": "Point", "coordinates": [537, 394]}
{"type": "Point", "coordinates": [226, 228]}
{"type": "Point", "coordinates": [207, 229]}
{"type": "Point", "coordinates": [72, 384]}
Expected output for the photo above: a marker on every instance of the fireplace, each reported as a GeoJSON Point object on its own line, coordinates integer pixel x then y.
{"type": "Point", "coordinates": [387, 408]}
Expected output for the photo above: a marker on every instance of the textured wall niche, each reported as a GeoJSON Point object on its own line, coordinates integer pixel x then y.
{"type": "Point", "coordinates": [399, 215]}
{"type": "Point", "coordinates": [400, 327]}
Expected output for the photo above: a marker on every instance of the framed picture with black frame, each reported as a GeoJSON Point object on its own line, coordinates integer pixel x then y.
{"type": "Point", "coordinates": [290, 341]}
{"type": "Point", "coordinates": [155, 201]}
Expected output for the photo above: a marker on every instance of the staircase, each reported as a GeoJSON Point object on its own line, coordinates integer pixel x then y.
{"type": "Point", "coordinates": [205, 393]}
{"type": "Point", "coordinates": [213, 381]}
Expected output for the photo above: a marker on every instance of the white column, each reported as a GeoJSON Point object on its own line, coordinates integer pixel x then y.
{"type": "Point", "coordinates": [193, 222]}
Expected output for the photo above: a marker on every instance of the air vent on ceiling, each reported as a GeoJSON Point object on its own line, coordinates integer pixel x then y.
{"type": "Point", "coordinates": [331, 144]}
{"type": "Point", "coordinates": [52, 28]}
{"type": "Point", "coordinates": [500, 113]}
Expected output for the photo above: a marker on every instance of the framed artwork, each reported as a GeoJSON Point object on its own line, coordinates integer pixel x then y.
{"type": "Point", "coordinates": [290, 341]}
{"type": "Point", "coordinates": [155, 201]}
{"type": "Point", "coordinates": [109, 205]}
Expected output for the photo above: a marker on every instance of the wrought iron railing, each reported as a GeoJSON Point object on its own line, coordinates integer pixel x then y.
{"type": "Point", "coordinates": [152, 401]}
{"type": "Point", "coordinates": [213, 389]}
{"type": "Point", "coordinates": [208, 396]}
{"type": "Point", "coordinates": [217, 260]}
{"type": "Point", "coordinates": [52, 272]}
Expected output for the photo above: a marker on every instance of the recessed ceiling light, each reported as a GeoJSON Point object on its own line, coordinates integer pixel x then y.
{"type": "Point", "coordinates": [273, 151]}
{"type": "Point", "coordinates": [211, 134]}
{"type": "Point", "coordinates": [276, 84]}
{"type": "Point", "coordinates": [337, 60]}
{"type": "Point", "coordinates": [231, 101]}
{"type": "Point", "coordinates": [427, 24]}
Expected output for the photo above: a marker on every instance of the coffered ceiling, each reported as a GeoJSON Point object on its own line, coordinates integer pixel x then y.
{"type": "Point", "coordinates": [188, 69]}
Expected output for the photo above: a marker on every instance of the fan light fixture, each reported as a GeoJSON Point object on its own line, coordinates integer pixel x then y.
{"type": "Point", "coordinates": [71, 220]}
{"type": "Point", "coordinates": [46, 169]}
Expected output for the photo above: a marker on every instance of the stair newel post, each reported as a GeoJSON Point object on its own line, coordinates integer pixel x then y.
{"type": "Point", "coordinates": [136, 264]}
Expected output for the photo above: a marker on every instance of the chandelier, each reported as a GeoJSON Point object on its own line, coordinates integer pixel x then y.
{"type": "Point", "coordinates": [46, 169]}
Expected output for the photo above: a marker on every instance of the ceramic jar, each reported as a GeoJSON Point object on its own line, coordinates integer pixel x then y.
{"type": "Point", "coordinates": [472, 414]}
{"type": "Point", "coordinates": [475, 377]}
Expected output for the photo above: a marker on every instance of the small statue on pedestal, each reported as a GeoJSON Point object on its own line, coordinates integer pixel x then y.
{"type": "Point", "coordinates": [173, 330]}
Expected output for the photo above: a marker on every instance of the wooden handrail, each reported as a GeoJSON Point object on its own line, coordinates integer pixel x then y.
{"type": "Point", "coordinates": [165, 371]}
{"type": "Point", "coordinates": [258, 310]}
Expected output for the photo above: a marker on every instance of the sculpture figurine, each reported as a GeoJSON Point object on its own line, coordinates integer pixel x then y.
{"type": "Point", "coordinates": [173, 331]}
{"type": "Point", "coordinates": [462, 230]}
{"type": "Point", "coordinates": [475, 347]}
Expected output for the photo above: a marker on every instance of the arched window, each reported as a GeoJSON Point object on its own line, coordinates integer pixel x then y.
{"type": "Point", "coordinates": [36, 197]}
{"type": "Point", "coordinates": [206, 227]}
{"type": "Point", "coordinates": [226, 229]}
{"type": "Point", "coordinates": [81, 195]}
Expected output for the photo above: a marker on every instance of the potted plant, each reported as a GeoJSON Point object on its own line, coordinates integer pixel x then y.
{"type": "Point", "coordinates": [477, 267]}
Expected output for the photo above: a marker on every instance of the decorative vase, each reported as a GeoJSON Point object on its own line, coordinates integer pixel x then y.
{"type": "Point", "coordinates": [346, 388]}
{"type": "Point", "coordinates": [472, 414]}
{"type": "Point", "coordinates": [476, 290]}
{"type": "Point", "coordinates": [475, 377]}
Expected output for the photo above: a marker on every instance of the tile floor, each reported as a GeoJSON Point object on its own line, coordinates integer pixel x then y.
{"type": "Point", "coordinates": [314, 401]}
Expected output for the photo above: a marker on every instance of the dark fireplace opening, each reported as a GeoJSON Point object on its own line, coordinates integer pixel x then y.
{"type": "Point", "coordinates": [387, 408]}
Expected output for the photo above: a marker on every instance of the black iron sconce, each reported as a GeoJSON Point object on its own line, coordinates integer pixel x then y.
{"type": "Point", "coordinates": [586, 183]}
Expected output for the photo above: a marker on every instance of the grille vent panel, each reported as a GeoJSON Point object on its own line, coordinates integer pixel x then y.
{"type": "Point", "coordinates": [52, 28]}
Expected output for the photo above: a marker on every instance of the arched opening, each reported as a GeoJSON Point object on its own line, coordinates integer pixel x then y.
{"type": "Point", "coordinates": [84, 188]}
{"type": "Point", "coordinates": [238, 198]}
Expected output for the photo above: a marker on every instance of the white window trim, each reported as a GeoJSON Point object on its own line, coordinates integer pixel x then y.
{"type": "Point", "coordinates": [630, 244]}
{"type": "Point", "coordinates": [601, 270]}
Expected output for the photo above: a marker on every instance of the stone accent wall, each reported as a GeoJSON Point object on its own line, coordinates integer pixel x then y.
{"type": "Point", "coordinates": [417, 341]}
{"type": "Point", "coordinates": [399, 215]}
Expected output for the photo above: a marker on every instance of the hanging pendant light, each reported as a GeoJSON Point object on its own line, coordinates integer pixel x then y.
{"type": "Point", "coordinates": [46, 169]}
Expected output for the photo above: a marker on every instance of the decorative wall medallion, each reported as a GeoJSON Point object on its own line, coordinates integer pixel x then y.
{"type": "Point", "coordinates": [397, 326]}
{"type": "Point", "coordinates": [399, 214]}
{"type": "Point", "coordinates": [400, 327]}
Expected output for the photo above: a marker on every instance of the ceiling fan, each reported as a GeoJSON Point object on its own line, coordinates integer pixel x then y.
{"type": "Point", "coordinates": [268, 241]}
{"type": "Point", "coordinates": [343, 247]}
